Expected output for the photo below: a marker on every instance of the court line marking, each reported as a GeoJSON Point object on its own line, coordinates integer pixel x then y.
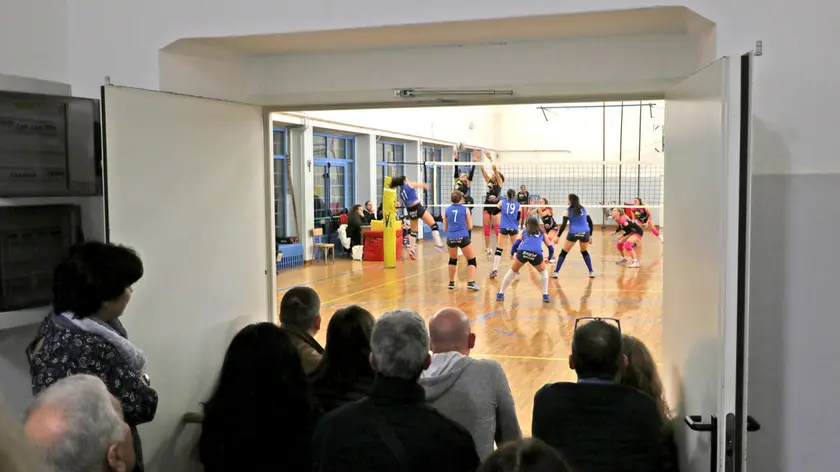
{"type": "Point", "coordinates": [385, 284]}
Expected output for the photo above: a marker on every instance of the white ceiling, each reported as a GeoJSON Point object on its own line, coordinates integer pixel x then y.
{"type": "Point", "coordinates": [656, 20]}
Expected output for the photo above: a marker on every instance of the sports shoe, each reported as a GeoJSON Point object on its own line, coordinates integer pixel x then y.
{"type": "Point", "coordinates": [661, 238]}
{"type": "Point", "coordinates": [592, 275]}
{"type": "Point", "coordinates": [494, 274]}
{"type": "Point", "coordinates": [500, 297]}
{"type": "Point", "coordinates": [451, 285]}
{"type": "Point", "coordinates": [546, 298]}
{"type": "Point", "coordinates": [555, 275]}
{"type": "Point", "coordinates": [412, 255]}
{"type": "Point", "coordinates": [634, 265]}
{"type": "Point", "coordinates": [623, 260]}
{"type": "Point", "coordinates": [489, 254]}
{"type": "Point", "coordinates": [472, 286]}
{"type": "Point", "coordinates": [440, 247]}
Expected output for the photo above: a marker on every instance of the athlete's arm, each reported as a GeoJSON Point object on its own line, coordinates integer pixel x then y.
{"type": "Point", "coordinates": [445, 220]}
{"type": "Point", "coordinates": [589, 222]}
{"type": "Point", "coordinates": [565, 222]}
{"type": "Point", "coordinates": [418, 185]}
{"type": "Point", "coordinates": [469, 220]}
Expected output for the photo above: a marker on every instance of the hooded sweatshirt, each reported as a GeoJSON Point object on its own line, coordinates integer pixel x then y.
{"type": "Point", "coordinates": [474, 393]}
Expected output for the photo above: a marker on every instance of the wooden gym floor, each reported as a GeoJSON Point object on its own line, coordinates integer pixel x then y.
{"type": "Point", "coordinates": [531, 340]}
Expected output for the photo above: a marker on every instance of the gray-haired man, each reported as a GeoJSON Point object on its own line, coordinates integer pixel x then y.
{"type": "Point", "coordinates": [78, 426]}
{"type": "Point", "coordinates": [394, 429]}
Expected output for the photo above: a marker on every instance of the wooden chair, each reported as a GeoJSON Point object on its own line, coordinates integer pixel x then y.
{"type": "Point", "coordinates": [326, 248]}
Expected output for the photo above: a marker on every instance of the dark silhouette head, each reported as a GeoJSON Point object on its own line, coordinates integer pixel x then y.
{"type": "Point", "coordinates": [596, 351]}
{"type": "Point", "coordinates": [527, 455]}
{"type": "Point", "coordinates": [457, 197]}
{"type": "Point", "coordinates": [533, 225]}
{"type": "Point", "coordinates": [511, 194]}
{"type": "Point", "coordinates": [642, 374]}
{"type": "Point", "coordinates": [96, 278]}
{"type": "Point", "coordinates": [398, 181]}
{"type": "Point", "coordinates": [574, 204]}
{"type": "Point", "coordinates": [301, 308]}
{"type": "Point", "coordinates": [346, 358]}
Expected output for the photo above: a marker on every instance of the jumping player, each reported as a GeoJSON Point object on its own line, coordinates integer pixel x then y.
{"type": "Point", "coordinates": [627, 242]}
{"type": "Point", "coordinates": [416, 212]}
{"type": "Point", "coordinates": [508, 227]}
{"type": "Point", "coordinates": [523, 197]}
{"type": "Point", "coordinates": [580, 231]}
{"type": "Point", "coordinates": [643, 218]}
{"type": "Point", "coordinates": [528, 249]}
{"type": "Point", "coordinates": [491, 213]}
{"type": "Point", "coordinates": [457, 224]}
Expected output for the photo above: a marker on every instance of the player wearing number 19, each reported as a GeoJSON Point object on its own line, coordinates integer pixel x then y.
{"type": "Point", "coordinates": [508, 227]}
{"type": "Point", "coordinates": [416, 211]}
{"type": "Point", "coordinates": [580, 231]}
{"type": "Point", "coordinates": [457, 224]}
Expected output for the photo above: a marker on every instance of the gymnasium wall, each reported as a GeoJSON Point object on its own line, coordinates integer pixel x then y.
{"type": "Point", "coordinates": [795, 107]}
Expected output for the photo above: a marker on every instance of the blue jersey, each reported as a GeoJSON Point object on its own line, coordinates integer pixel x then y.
{"type": "Point", "coordinates": [577, 223]}
{"type": "Point", "coordinates": [456, 221]}
{"type": "Point", "coordinates": [510, 215]}
{"type": "Point", "coordinates": [408, 195]}
{"type": "Point", "coordinates": [532, 243]}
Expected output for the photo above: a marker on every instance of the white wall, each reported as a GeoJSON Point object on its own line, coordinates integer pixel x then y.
{"type": "Point", "coordinates": [33, 39]}
{"type": "Point", "coordinates": [795, 109]}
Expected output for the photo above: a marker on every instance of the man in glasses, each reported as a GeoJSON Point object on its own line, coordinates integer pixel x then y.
{"type": "Point", "coordinates": [596, 424]}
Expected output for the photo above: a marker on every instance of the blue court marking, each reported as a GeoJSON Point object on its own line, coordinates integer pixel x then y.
{"type": "Point", "coordinates": [506, 333]}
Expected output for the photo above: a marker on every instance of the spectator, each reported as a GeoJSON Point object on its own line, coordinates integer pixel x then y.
{"type": "Point", "coordinates": [261, 414]}
{"type": "Point", "coordinates": [597, 425]}
{"type": "Point", "coordinates": [355, 221]}
{"type": "Point", "coordinates": [83, 334]}
{"type": "Point", "coordinates": [78, 426]}
{"type": "Point", "coordinates": [369, 214]}
{"type": "Point", "coordinates": [641, 373]}
{"type": "Point", "coordinates": [529, 455]}
{"type": "Point", "coordinates": [16, 453]}
{"type": "Point", "coordinates": [394, 429]}
{"type": "Point", "coordinates": [300, 319]}
{"type": "Point", "coordinates": [344, 374]}
{"type": "Point", "coordinates": [473, 392]}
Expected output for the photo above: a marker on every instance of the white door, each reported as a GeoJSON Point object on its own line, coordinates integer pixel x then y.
{"type": "Point", "coordinates": [704, 329]}
{"type": "Point", "coordinates": [186, 187]}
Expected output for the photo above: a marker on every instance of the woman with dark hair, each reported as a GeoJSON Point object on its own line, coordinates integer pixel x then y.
{"type": "Point", "coordinates": [508, 227]}
{"type": "Point", "coordinates": [528, 249]}
{"type": "Point", "coordinates": [527, 455]}
{"type": "Point", "coordinates": [580, 231]}
{"type": "Point", "coordinates": [642, 374]}
{"type": "Point", "coordinates": [83, 334]}
{"type": "Point", "coordinates": [416, 212]}
{"type": "Point", "coordinates": [491, 213]}
{"type": "Point", "coordinates": [457, 223]}
{"type": "Point", "coordinates": [626, 244]}
{"type": "Point", "coordinates": [261, 414]}
{"type": "Point", "coordinates": [355, 221]}
{"type": "Point", "coordinates": [344, 374]}
{"type": "Point", "coordinates": [643, 217]}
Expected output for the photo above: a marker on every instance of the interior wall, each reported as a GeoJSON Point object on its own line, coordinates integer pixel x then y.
{"type": "Point", "coordinates": [33, 39]}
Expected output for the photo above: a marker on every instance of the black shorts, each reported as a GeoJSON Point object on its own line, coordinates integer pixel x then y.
{"type": "Point", "coordinates": [582, 237]}
{"type": "Point", "coordinates": [492, 211]}
{"type": "Point", "coordinates": [416, 212]}
{"type": "Point", "coordinates": [460, 243]}
{"type": "Point", "coordinates": [528, 257]}
{"type": "Point", "coordinates": [509, 231]}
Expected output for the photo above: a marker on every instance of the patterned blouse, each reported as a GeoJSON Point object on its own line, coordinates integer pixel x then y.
{"type": "Point", "coordinates": [61, 350]}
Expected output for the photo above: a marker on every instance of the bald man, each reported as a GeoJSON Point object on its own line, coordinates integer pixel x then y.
{"type": "Point", "coordinates": [472, 392]}
{"type": "Point", "coordinates": [78, 425]}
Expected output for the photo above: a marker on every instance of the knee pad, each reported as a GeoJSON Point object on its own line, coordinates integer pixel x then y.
{"type": "Point", "coordinates": [620, 246]}
{"type": "Point", "coordinates": [453, 262]}
{"type": "Point", "coordinates": [499, 251]}
{"type": "Point", "coordinates": [472, 262]}
{"type": "Point", "coordinates": [413, 234]}
{"type": "Point", "coordinates": [496, 228]}
{"type": "Point", "coordinates": [487, 230]}
{"type": "Point", "coordinates": [435, 227]}
{"type": "Point", "coordinates": [628, 246]}
{"type": "Point", "coordinates": [563, 253]}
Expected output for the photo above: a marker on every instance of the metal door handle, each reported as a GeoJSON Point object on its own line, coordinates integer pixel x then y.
{"type": "Point", "coordinates": [695, 423]}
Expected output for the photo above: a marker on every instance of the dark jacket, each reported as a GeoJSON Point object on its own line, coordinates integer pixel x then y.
{"type": "Point", "coordinates": [368, 217]}
{"type": "Point", "coordinates": [61, 349]}
{"type": "Point", "coordinates": [354, 229]}
{"type": "Point", "coordinates": [348, 440]}
{"type": "Point", "coordinates": [600, 427]}
{"type": "Point", "coordinates": [332, 395]}
{"type": "Point", "coordinates": [309, 350]}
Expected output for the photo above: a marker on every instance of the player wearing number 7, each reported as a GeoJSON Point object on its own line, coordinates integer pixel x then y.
{"type": "Point", "coordinates": [457, 224]}
{"type": "Point", "coordinates": [508, 227]}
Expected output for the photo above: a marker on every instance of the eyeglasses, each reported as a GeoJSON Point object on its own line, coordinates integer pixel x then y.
{"type": "Point", "coordinates": [588, 319]}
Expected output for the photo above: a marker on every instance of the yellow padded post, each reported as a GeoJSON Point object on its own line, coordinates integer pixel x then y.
{"type": "Point", "coordinates": [389, 234]}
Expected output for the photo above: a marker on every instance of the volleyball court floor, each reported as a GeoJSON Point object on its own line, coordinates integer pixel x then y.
{"type": "Point", "coordinates": [531, 339]}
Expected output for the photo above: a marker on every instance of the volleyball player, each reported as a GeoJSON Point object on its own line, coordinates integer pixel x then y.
{"type": "Point", "coordinates": [508, 227]}
{"type": "Point", "coordinates": [627, 242]}
{"type": "Point", "coordinates": [523, 197]}
{"type": "Point", "coordinates": [644, 219]}
{"type": "Point", "coordinates": [550, 227]}
{"type": "Point", "coordinates": [580, 231]}
{"type": "Point", "coordinates": [492, 197]}
{"type": "Point", "coordinates": [416, 212]}
{"type": "Point", "coordinates": [457, 223]}
{"type": "Point", "coordinates": [463, 180]}
{"type": "Point", "coordinates": [528, 249]}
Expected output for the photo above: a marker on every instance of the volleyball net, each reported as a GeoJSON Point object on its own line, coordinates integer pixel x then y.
{"type": "Point", "coordinates": [598, 184]}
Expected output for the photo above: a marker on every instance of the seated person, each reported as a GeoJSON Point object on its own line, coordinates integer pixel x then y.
{"type": "Point", "coordinates": [596, 424]}
{"type": "Point", "coordinates": [368, 215]}
{"type": "Point", "coordinates": [300, 319]}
